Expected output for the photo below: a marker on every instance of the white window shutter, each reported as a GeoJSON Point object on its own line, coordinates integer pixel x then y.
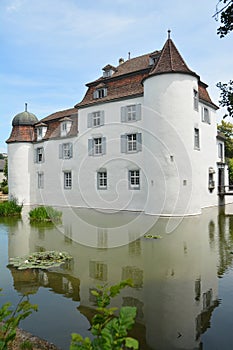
{"type": "Point", "coordinates": [123, 114]}
{"type": "Point", "coordinates": [90, 147]}
{"type": "Point", "coordinates": [61, 151]}
{"type": "Point", "coordinates": [95, 94]}
{"type": "Point", "coordinates": [42, 155]}
{"type": "Point", "coordinates": [89, 120]}
{"type": "Point", "coordinates": [35, 156]}
{"type": "Point", "coordinates": [139, 141]}
{"type": "Point", "coordinates": [105, 92]}
{"type": "Point", "coordinates": [124, 143]}
{"type": "Point", "coordinates": [101, 117]}
{"type": "Point", "coordinates": [71, 149]}
{"type": "Point", "coordinates": [138, 112]}
{"type": "Point", "coordinates": [103, 145]}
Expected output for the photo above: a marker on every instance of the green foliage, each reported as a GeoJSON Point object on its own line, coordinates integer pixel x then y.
{"type": "Point", "coordinates": [226, 17]}
{"type": "Point", "coordinates": [5, 170]}
{"type": "Point", "coordinates": [45, 214]}
{"type": "Point", "coordinates": [226, 97]}
{"type": "Point", "coordinates": [110, 331]}
{"type": "Point", "coordinates": [10, 319]}
{"type": "Point", "coordinates": [5, 189]}
{"type": "Point", "coordinates": [10, 208]}
{"type": "Point", "coordinates": [226, 129]}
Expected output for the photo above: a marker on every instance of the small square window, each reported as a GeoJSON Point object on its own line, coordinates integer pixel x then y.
{"type": "Point", "coordinates": [134, 179]}
{"type": "Point", "coordinates": [95, 119]}
{"type": "Point", "coordinates": [97, 146]}
{"type": "Point", "coordinates": [100, 93]}
{"type": "Point", "coordinates": [131, 113]}
{"type": "Point", "coordinates": [205, 115]}
{"type": "Point", "coordinates": [131, 143]}
{"type": "Point", "coordinates": [66, 150]}
{"type": "Point", "coordinates": [39, 155]}
{"type": "Point", "coordinates": [102, 180]}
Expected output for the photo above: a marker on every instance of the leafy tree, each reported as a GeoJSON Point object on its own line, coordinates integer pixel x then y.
{"type": "Point", "coordinates": [224, 11]}
{"type": "Point", "coordinates": [226, 129]}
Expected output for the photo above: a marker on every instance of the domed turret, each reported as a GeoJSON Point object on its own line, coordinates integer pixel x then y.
{"type": "Point", "coordinates": [24, 118]}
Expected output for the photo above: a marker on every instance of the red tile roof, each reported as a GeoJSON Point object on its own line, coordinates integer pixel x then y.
{"type": "Point", "coordinates": [22, 133]}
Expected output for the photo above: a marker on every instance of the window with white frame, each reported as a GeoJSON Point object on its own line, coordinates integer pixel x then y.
{"type": "Point", "coordinates": [102, 180]}
{"type": "Point", "coordinates": [100, 93]}
{"type": "Point", "coordinates": [39, 155]}
{"type": "Point", "coordinates": [97, 146]}
{"type": "Point", "coordinates": [131, 113]}
{"type": "Point", "coordinates": [195, 99]}
{"type": "Point", "coordinates": [67, 180]}
{"type": "Point", "coordinates": [66, 150]}
{"type": "Point", "coordinates": [65, 127]}
{"type": "Point", "coordinates": [205, 115]}
{"type": "Point", "coordinates": [40, 180]}
{"type": "Point", "coordinates": [95, 119]}
{"type": "Point", "coordinates": [196, 139]}
{"type": "Point", "coordinates": [40, 132]}
{"type": "Point", "coordinates": [134, 179]}
{"type": "Point", "coordinates": [131, 143]}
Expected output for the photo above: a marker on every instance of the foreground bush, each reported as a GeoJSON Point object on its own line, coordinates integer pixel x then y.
{"type": "Point", "coordinates": [45, 214]}
{"type": "Point", "coordinates": [5, 189]}
{"type": "Point", "coordinates": [110, 331]}
{"type": "Point", "coordinates": [10, 208]}
{"type": "Point", "coordinates": [10, 319]}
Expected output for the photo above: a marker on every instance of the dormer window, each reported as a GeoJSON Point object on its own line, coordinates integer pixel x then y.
{"type": "Point", "coordinates": [40, 131]}
{"type": "Point", "coordinates": [108, 71]}
{"type": "Point", "coordinates": [100, 93]}
{"type": "Point", "coordinates": [65, 126]}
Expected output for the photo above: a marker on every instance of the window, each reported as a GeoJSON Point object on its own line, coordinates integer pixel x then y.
{"type": "Point", "coordinates": [67, 180]}
{"type": "Point", "coordinates": [220, 151]}
{"type": "Point", "coordinates": [100, 93]}
{"type": "Point", "coordinates": [40, 180]}
{"type": "Point", "coordinates": [102, 180]}
{"type": "Point", "coordinates": [131, 143]}
{"type": "Point", "coordinates": [195, 99]}
{"type": "Point", "coordinates": [95, 119]}
{"type": "Point", "coordinates": [39, 155]}
{"type": "Point", "coordinates": [65, 127]}
{"type": "Point", "coordinates": [98, 270]}
{"type": "Point", "coordinates": [134, 179]}
{"type": "Point", "coordinates": [40, 132]}
{"type": "Point", "coordinates": [66, 150]}
{"type": "Point", "coordinates": [97, 146]}
{"type": "Point", "coordinates": [196, 139]}
{"type": "Point", "coordinates": [205, 115]}
{"type": "Point", "coordinates": [131, 113]}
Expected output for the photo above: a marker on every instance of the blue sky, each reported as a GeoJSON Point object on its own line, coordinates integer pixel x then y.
{"type": "Point", "coordinates": [51, 48]}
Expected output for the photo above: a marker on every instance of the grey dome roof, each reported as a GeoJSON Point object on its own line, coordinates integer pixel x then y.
{"type": "Point", "coordinates": [24, 118]}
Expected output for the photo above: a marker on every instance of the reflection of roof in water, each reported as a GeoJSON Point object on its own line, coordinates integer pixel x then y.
{"type": "Point", "coordinates": [29, 281]}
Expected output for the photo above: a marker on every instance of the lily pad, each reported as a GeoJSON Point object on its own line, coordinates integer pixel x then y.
{"type": "Point", "coordinates": [40, 260]}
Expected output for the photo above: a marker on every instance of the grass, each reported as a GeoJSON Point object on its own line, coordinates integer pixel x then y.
{"type": "Point", "coordinates": [10, 208]}
{"type": "Point", "coordinates": [45, 214]}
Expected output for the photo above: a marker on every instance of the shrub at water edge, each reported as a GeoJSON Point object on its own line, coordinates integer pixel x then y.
{"type": "Point", "coordinates": [45, 214]}
{"type": "Point", "coordinates": [10, 207]}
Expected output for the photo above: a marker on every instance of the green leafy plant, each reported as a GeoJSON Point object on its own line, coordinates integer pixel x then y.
{"type": "Point", "coordinates": [110, 331]}
{"type": "Point", "coordinates": [26, 345]}
{"type": "Point", "coordinates": [10, 319]}
{"type": "Point", "coordinates": [11, 207]}
{"type": "Point", "coordinates": [45, 214]}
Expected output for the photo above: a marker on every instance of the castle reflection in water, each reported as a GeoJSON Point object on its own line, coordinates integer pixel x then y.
{"type": "Point", "coordinates": [175, 277]}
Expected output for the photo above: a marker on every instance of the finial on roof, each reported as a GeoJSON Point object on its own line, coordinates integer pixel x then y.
{"type": "Point", "coordinates": [169, 33]}
{"type": "Point", "coordinates": [26, 107]}
{"type": "Point", "coordinates": [128, 55]}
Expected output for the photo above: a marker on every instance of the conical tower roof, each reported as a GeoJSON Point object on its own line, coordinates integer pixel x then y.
{"type": "Point", "coordinates": [171, 61]}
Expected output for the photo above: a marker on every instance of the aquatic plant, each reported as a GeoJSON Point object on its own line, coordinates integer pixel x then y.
{"type": "Point", "coordinates": [10, 319]}
{"type": "Point", "coordinates": [45, 214]}
{"type": "Point", "coordinates": [40, 260]}
{"type": "Point", "coordinates": [110, 331]}
{"type": "Point", "coordinates": [11, 207]}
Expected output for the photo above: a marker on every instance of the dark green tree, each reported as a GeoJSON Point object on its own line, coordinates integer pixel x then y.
{"type": "Point", "coordinates": [226, 129]}
{"type": "Point", "coordinates": [224, 13]}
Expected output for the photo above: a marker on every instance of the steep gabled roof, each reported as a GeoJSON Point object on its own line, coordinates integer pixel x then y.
{"type": "Point", "coordinates": [60, 114]}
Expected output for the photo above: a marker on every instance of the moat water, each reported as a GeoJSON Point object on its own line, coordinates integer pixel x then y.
{"type": "Point", "coordinates": [183, 281]}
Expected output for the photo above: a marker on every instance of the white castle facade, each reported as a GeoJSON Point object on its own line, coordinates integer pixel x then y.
{"type": "Point", "coordinates": [144, 138]}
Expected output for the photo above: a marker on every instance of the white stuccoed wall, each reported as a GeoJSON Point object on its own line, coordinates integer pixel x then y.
{"type": "Point", "coordinates": [21, 177]}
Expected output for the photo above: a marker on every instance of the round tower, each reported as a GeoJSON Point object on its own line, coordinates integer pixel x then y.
{"type": "Point", "coordinates": [171, 118]}
{"type": "Point", "coordinates": [20, 156]}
